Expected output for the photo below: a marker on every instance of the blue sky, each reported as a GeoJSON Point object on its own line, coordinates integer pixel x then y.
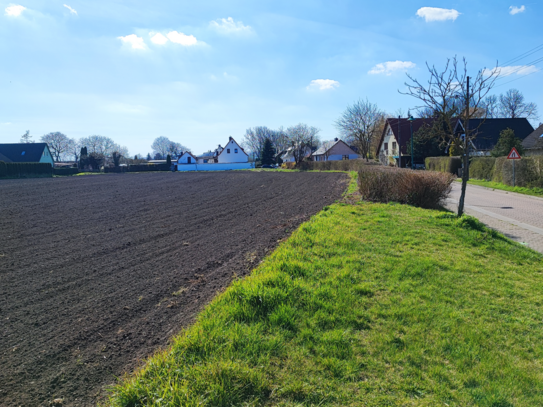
{"type": "Point", "coordinates": [198, 72]}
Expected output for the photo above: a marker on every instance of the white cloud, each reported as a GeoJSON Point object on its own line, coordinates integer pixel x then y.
{"type": "Point", "coordinates": [388, 68]}
{"type": "Point", "coordinates": [158, 38]}
{"type": "Point", "coordinates": [6, 123]}
{"type": "Point", "coordinates": [14, 10]}
{"type": "Point", "coordinates": [323, 84]}
{"type": "Point", "coordinates": [180, 38]}
{"type": "Point", "coordinates": [515, 10]}
{"type": "Point", "coordinates": [71, 9]}
{"type": "Point", "coordinates": [135, 41]}
{"type": "Point", "coordinates": [229, 26]}
{"type": "Point", "coordinates": [512, 70]}
{"type": "Point", "coordinates": [437, 14]}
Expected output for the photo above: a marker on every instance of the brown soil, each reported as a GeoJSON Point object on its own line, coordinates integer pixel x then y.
{"type": "Point", "coordinates": [98, 272]}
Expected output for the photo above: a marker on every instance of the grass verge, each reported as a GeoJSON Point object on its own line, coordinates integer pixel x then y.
{"type": "Point", "coordinates": [503, 187]}
{"type": "Point", "coordinates": [367, 304]}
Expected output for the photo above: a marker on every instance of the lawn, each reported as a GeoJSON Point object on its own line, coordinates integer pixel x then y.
{"type": "Point", "coordinates": [503, 187]}
{"type": "Point", "coordinates": [365, 304]}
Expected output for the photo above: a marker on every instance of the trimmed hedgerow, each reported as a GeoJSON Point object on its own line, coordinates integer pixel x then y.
{"type": "Point", "coordinates": [426, 189]}
{"type": "Point", "coordinates": [443, 164]}
{"type": "Point", "coordinates": [25, 170]}
{"type": "Point", "coordinates": [482, 167]}
{"type": "Point", "coordinates": [65, 171]}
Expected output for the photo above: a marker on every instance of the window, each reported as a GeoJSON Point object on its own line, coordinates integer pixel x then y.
{"type": "Point", "coordinates": [394, 145]}
{"type": "Point", "coordinates": [235, 150]}
{"type": "Point", "coordinates": [23, 153]}
{"type": "Point", "coordinates": [386, 146]}
{"type": "Point", "coordinates": [346, 157]}
{"type": "Point", "coordinates": [228, 150]}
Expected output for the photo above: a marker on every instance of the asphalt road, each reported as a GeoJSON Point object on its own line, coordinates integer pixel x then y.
{"type": "Point", "coordinates": [517, 216]}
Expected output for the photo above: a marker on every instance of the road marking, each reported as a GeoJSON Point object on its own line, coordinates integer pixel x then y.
{"type": "Point", "coordinates": [500, 217]}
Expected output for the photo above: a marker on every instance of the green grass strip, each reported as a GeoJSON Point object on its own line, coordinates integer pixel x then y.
{"type": "Point", "coordinates": [503, 187]}
{"type": "Point", "coordinates": [366, 305]}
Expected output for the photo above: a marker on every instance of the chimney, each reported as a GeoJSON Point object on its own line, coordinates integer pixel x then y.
{"type": "Point", "coordinates": [336, 139]}
{"type": "Point", "coordinates": [230, 138]}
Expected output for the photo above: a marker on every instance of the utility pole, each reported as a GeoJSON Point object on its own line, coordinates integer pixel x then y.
{"type": "Point", "coordinates": [399, 143]}
{"type": "Point", "coordinates": [465, 170]}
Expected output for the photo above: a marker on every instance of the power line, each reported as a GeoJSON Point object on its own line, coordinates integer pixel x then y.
{"type": "Point", "coordinates": [524, 55]}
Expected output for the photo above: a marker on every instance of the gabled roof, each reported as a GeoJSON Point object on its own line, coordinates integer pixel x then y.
{"type": "Point", "coordinates": [488, 134]}
{"type": "Point", "coordinates": [534, 139]}
{"type": "Point", "coordinates": [329, 145]}
{"type": "Point", "coordinates": [240, 147]}
{"type": "Point", "coordinates": [401, 128]}
{"type": "Point", "coordinates": [23, 152]}
{"type": "Point", "coordinates": [4, 158]}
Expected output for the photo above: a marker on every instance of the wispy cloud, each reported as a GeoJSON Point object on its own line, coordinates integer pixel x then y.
{"type": "Point", "coordinates": [437, 14]}
{"type": "Point", "coordinates": [388, 68]}
{"type": "Point", "coordinates": [183, 39]}
{"type": "Point", "coordinates": [14, 10]}
{"type": "Point", "coordinates": [323, 84]}
{"type": "Point", "coordinates": [515, 10]}
{"type": "Point", "coordinates": [158, 38]}
{"type": "Point", "coordinates": [229, 26]}
{"type": "Point", "coordinates": [71, 9]}
{"type": "Point", "coordinates": [512, 70]}
{"type": "Point", "coordinates": [6, 123]}
{"type": "Point", "coordinates": [133, 40]}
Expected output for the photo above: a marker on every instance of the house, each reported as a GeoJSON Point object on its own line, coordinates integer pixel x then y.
{"type": "Point", "coordinates": [395, 139]}
{"type": "Point", "coordinates": [334, 151]}
{"type": "Point", "coordinates": [26, 153]}
{"type": "Point", "coordinates": [231, 157]}
{"type": "Point", "coordinates": [288, 154]}
{"type": "Point", "coordinates": [187, 158]}
{"type": "Point", "coordinates": [488, 132]}
{"type": "Point", "coordinates": [533, 143]}
{"type": "Point", "coordinates": [232, 153]}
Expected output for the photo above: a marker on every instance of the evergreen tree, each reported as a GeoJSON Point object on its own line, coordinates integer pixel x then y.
{"type": "Point", "coordinates": [268, 153]}
{"type": "Point", "coordinates": [506, 142]}
{"type": "Point", "coordinates": [148, 156]}
{"type": "Point", "coordinates": [168, 160]}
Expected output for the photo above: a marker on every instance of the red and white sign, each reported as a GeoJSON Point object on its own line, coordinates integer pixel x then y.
{"type": "Point", "coordinates": [513, 155]}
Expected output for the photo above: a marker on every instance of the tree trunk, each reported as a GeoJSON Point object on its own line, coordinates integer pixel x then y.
{"type": "Point", "coordinates": [465, 178]}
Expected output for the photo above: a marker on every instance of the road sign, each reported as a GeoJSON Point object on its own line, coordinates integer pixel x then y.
{"type": "Point", "coordinates": [513, 155]}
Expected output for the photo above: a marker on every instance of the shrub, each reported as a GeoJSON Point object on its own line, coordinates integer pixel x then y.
{"type": "Point", "coordinates": [148, 167]}
{"type": "Point", "coordinates": [25, 170]}
{"type": "Point", "coordinates": [482, 167]}
{"type": "Point", "coordinates": [65, 171]}
{"type": "Point", "coordinates": [418, 188]}
{"type": "Point", "coordinates": [443, 164]}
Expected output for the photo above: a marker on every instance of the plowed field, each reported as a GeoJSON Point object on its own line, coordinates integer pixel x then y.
{"type": "Point", "coordinates": [98, 272]}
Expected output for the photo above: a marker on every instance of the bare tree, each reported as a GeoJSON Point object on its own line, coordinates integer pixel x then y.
{"type": "Point", "coordinates": [99, 144]}
{"type": "Point", "coordinates": [444, 88]}
{"type": "Point", "coordinates": [74, 149]}
{"type": "Point", "coordinates": [162, 146]}
{"type": "Point", "coordinates": [512, 105]}
{"type": "Point", "coordinates": [303, 140]}
{"type": "Point", "coordinates": [26, 138]}
{"type": "Point", "coordinates": [491, 106]}
{"type": "Point", "coordinates": [58, 143]}
{"type": "Point", "coordinates": [360, 124]}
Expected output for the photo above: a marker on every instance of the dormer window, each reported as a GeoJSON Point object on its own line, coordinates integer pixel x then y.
{"type": "Point", "coordinates": [23, 153]}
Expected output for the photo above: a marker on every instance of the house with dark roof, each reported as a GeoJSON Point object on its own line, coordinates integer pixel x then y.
{"type": "Point", "coordinates": [533, 143]}
{"type": "Point", "coordinates": [26, 153]}
{"type": "Point", "coordinates": [396, 137]}
{"type": "Point", "coordinates": [334, 151]}
{"type": "Point", "coordinates": [487, 132]}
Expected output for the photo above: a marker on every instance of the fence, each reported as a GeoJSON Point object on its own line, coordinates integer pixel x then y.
{"type": "Point", "coordinates": [25, 170]}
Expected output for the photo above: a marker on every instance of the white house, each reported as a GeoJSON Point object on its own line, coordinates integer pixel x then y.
{"type": "Point", "coordinates": [334, 151]}
{"type": "Point", "coordinates": [187, 158]}
{"type": "Point", "coordinates": [232, 153]}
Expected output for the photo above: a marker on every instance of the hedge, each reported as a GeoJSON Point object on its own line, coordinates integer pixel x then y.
{"type": "Point", "coordinates": [65, 171]}
{"type": "Point", "coordinates": [25, 170]}
{"type": "Point", "coordinates": [427, 189]}
{"type": "Point", "coordinates": [339, 165]}
{"type": "Point", "coordinates": [482, 168]}
{"type": "Point", "coordinates": [443, 164]}
{"type": "Point", "coordinates": [148, 167]}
